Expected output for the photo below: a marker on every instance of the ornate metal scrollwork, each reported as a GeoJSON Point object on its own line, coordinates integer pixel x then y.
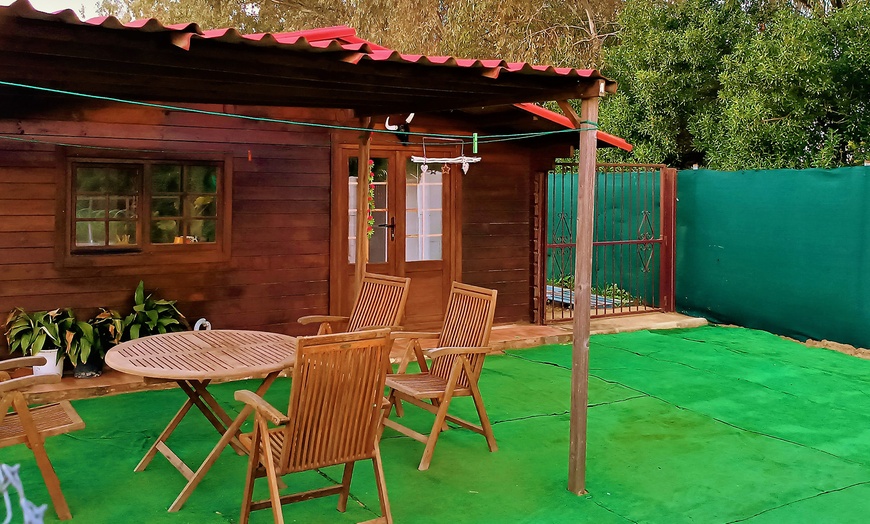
{"type": "Point", "coordinates": [645, 232]}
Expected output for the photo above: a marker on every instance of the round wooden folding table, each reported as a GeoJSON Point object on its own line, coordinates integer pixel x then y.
{"type": "Point", "coordinates": [193, 359]}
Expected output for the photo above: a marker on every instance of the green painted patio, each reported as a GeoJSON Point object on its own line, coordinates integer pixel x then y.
{"type": "Point", "coordinates": [704, 425]}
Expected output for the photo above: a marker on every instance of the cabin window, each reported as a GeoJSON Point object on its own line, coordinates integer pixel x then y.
{"type": "Point", "coordinates": [183, 203]}
{"type": "Point", "coordinates": [136, 206]}
{"type": "Point", "coordinates": [106, 205]}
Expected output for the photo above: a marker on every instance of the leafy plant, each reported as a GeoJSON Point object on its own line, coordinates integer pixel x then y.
{"type": "Point", "coordinates": [151, 316]}
{"type": "Point", "coordinates": [30, 333]}
{"type": "Point", "coordinates": [97, 334]}
{"type": "Point", "coordinates": [615, 292]}
{"type": "Point", "coordinates": [108, 329]}
{"type": "Point", "coordinates": [80, 340]}
{"type": "Point", "coordinates": [612, 291]}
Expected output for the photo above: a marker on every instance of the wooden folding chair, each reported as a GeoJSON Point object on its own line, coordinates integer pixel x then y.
{"type": "Point", "coordinates": [334, 417]}
{"type": "Point", "coordinates": [380, 303]}
{"type": "Point", "coordinates": [21, 424]}
{"type": "Point", "coordinates": [455, 367]}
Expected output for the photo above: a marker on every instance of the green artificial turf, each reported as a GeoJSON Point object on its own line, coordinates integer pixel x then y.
{"type": "Point", "coordinates": [706, 425]}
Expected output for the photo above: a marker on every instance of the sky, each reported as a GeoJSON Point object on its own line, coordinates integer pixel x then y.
{"type": "Point", "coordinates": [50, 6]}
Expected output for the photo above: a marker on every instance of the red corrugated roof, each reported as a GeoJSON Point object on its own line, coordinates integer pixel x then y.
{"type": "Point", "coordinates": [327, 39]}
{"type": "Point", "coordinates": [338, 38]}
{"type": "Point", "coordinates": [563, 120]}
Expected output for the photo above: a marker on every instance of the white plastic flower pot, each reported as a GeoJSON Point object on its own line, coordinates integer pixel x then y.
{"type": "Point", "coordinates": [53, 366]}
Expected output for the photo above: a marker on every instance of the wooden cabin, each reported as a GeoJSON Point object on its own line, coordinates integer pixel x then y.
{"type": "Point", "coordinates": [219, 168]}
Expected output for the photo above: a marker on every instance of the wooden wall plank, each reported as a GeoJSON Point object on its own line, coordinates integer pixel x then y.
{"type": "Point", "coordinates": [496, 245]}
{"type": "Point", "coordinates": [279, 264]}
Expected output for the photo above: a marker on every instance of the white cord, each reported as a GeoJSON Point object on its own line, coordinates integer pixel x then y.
{"type": "Point", "coordinates": [9, 477]}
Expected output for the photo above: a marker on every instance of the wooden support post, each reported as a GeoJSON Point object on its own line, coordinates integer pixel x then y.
{"type": "Point", "coordinates": [582, 288]}
{"type": "Point", "coordinates": [362, 202]}
{"type": "Point", "coordinates": [668, 221]}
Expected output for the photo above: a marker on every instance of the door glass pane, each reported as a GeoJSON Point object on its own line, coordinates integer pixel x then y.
{"type": "Point", "coordinates": [423, 213]}
{"type": "Point", "coordinates": [378, 209]}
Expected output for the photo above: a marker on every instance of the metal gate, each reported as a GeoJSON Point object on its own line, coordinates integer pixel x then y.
{"type": "Point", "coordinates": [633, 241]}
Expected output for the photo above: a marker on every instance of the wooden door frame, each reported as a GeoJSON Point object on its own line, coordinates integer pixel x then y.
{"type": "Point", "coordinates": [451, 262]}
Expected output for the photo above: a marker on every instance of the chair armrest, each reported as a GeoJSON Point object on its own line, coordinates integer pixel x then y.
{"type": "Point", "coordinates": [26, 382]}
{"type": "Point", "coordinates": [22, 362]}
{"type": "Point", "coordinates": [413, 334]}
{"type": "Point", "coordinates": [262, 407]}
{"type": "Point", "coordinates": [312, 319]}
{"type": "Point", "coordinates": [440, 352]}
{"type": "Point", "coordinates": [373, 328]}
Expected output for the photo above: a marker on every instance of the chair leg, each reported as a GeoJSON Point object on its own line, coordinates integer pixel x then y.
{"type": "Point", "coordinates": [441, 417]}
{"type": "Point", "coordinates": [394, 402]}
{"type": "Point", "coordinates": [437, 428]}
{"type": "Point", "coordinates": [484, 418]}
{"type": "Point", "coordinates": [253, 464]}
{"type": "Point", "coordinates": [382, 485]}
{"type": "Point", "coordinates": [51, 480]}
{"type": "Point", "coordinates": [271, 473]}
{"type": "Point", "coordinates": [345, 486]}
{"type": "Point", "coordinates": [37, 445]}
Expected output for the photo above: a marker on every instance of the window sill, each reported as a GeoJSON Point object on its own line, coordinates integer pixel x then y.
{"type": "Point", "coordinates": [157, 255]}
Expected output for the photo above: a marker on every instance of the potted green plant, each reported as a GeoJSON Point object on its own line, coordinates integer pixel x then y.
{"type": "Point", "coordinates": [87, 342]}
{"type": "Point", "coordinates": [93, 339]}
{"type": "Point", "coordinates": [39, 332]}
{"type": "Point", "coordinates": [79, 345]}
{"type": "Point", "coordinates": [151, 316]}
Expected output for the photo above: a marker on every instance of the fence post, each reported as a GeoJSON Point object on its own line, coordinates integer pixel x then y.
{"type": "Point", "coordinates": [667, 255]}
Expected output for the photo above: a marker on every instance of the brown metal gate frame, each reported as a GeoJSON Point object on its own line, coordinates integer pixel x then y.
{"type": "Point", "coordinates": [626, 240]}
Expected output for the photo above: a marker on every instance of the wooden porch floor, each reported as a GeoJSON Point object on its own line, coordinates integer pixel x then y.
{"type": "Point", "coordinates": [508, 336]}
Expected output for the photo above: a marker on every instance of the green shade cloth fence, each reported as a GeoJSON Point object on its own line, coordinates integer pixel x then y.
{"type": "Point", "coordinates": [786, 251]}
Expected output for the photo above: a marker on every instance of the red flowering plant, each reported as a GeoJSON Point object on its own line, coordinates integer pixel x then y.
{"type": "Point", "coordinates": [370, 228]}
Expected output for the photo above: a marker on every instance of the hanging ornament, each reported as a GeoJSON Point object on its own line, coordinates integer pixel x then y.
{"type": "Point", "coordinates": [462, 160]}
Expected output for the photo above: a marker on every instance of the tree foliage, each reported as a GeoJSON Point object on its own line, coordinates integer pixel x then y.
{"type": "Point", "coordinates": [736, 85]}
{"type": "Point", "coordinates": [796, 95]}
{"type": "Point", "coordinates": [568, 33]}
{"type": "Point", "coordinates": [724, 83]}
{"type": "Point", "coordinates": [667, 64]}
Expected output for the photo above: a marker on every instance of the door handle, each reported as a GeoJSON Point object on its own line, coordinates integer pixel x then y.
{"type": "Point", "coordinates": [391, 226]}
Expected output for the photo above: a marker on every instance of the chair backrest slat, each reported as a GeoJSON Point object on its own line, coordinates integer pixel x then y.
{"type": "Point", "coordinates": [335, 399]}
{"type": "Point", "coordinates": [380, 302]}
{"type": "Point", "coordinates": [467, 323]}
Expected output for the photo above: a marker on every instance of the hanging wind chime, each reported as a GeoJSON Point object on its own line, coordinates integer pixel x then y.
{"type": "Point", "coordinates": [463, 160]}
